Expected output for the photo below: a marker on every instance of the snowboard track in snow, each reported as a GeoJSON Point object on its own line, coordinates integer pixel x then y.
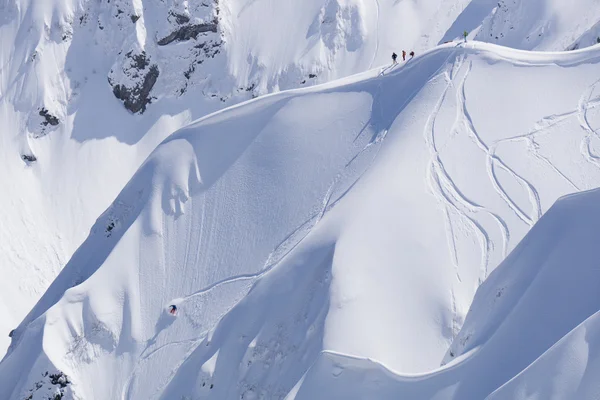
{"type": "Point", "coordinates": [459, 211]}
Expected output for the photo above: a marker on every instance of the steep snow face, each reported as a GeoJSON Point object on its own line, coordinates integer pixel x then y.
{"type": "Point", "coordinates": [357, 218]}
{"type": "Point", "coordinates": [68, 145]}
{"type": "Point", "coordinates": [542, 24]}
{"type": "Point", "coordinates": [535, 317]}
{"type": "Point", "coordinates": [89, 88]}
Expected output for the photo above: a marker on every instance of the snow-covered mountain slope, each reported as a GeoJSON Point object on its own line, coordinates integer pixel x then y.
{"type": "Point", "coordinates": [357, 217]}
{"type": "Point", "coordinates": [539, 24]}
{"type": "Point", "coordinates": [531, 334]}
{"type": "Point", "coordinates": [89, 88]}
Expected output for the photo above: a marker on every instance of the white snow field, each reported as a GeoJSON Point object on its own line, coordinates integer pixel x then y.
{"type": "Point", "coordinates": [532, 333]}
{"type": "Point", "coordinates": [69, 69]}
{"type": "Point", "coordinates": [67, 143]}
{"type": "Point", "coordinates": [313, 229]}
{"type": "Point", "coordinates": [538, 24]}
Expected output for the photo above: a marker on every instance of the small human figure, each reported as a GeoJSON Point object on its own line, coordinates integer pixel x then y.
{"type": "Point", "coordinates": [403, 55]}
{"type": "Point", "coordinates": [173, 309]}
{"type": "Point", "coordinates": [394, 56]}
{"type": "Point", "coordinates": [412, 54]}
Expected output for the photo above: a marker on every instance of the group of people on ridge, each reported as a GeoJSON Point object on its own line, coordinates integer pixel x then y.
{"type": "Point", "coordinates": [395, 56]}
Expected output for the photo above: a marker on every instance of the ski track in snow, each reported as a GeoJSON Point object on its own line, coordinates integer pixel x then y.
{"type": "Point", "coordinates": [452, 198]}
{"type": "Point", "coordinates": [585, 103]}
{"type": "Point", "coordinates": [288, 244]}
{"type": "Point", "coordinates": [445, 189]}
{"type": "Point", "coordinates": [449, 195]}
{"type": "Point", "coordinates": [377, 8]}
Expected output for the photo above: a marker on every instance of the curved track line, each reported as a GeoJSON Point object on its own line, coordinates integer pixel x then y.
{"type": "Point", "coordinates": [377, 37]}
{"type": "Point", "coordinates": [582, 109]}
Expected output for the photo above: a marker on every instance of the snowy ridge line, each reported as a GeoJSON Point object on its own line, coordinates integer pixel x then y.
{"type": "Point", "coordinates": [487, 50]}
{"type": "Point", "coordinates": [401, 376]}
{"type": "Point", "coordinates": [220, 187]}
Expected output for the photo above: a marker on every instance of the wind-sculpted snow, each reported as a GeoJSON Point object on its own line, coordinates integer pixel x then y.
{"type": "Point", "coordinates": [323, 226]}
{"type": "Point", "coordinates": [89, 88]}
{"type": "Point", "coordinates": [531, 333]}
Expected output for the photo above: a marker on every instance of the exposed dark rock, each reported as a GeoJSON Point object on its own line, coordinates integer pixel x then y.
{"type": "Point", "coordinates": [311, 76]}
{"type": "Point", "coordinates": [179, 18]}
{"type": "Point", "coordinates": [137, 97]}
{"type": "Point", "coordinates": [49, 119]}
{"type": "Point", "coordinates": [134, 18]}
{"type": "Point", "coordinates": [28, 157]}
{"type": "Point", "coordinates": [140, 60]}
{"type": "Point", "coordinates": [54, 383]}
{"type": "Point", "coordinates": [59, 379]}
{"type": "Point", "coordinates": [188, 32]}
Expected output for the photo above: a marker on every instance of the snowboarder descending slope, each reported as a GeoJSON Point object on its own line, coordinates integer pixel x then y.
{"type": "Point", "coordinates": [394, 57]}
{"type": "Point", "coordinates": [173, 309]}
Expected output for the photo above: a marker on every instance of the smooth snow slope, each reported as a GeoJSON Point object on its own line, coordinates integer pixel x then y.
{"type": "Point", "coordinates": [532, 332]}
{"type": "Point", "coordinates": [65, 58]}
{"type": "Point", "coordinates": [543, 25]}
{"type": "Point", "coordinates": [357, 217]}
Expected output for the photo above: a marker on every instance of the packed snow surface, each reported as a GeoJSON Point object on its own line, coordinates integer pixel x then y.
{"type": "Point", "coordinates": [89, 88]}
{"type": "Point", "coordinates": [316, 240]}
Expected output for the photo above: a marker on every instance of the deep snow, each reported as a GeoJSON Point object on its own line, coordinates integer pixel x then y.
{"type": "Point", "coordinates": [62, 60]}
{"type": "Point", "coordinates": [356, 218]}
{"type": "Point", "coordinates": [531, 334]}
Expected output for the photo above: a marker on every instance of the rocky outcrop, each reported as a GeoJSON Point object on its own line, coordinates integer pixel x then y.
{"type": "Point", "coordinates": [29, 158]}
{"type": "Point", "coordinates": [187, 32]}
{"type": "Point", "coordinates": [142, 76]}
{"type": "Point", "coordinates": [49, 119]}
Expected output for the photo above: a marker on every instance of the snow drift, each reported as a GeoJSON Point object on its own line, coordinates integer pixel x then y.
{"type": "Point", "coordinates": [531, 333]}
{"type": "Point", "coordinates": [356, 218]}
